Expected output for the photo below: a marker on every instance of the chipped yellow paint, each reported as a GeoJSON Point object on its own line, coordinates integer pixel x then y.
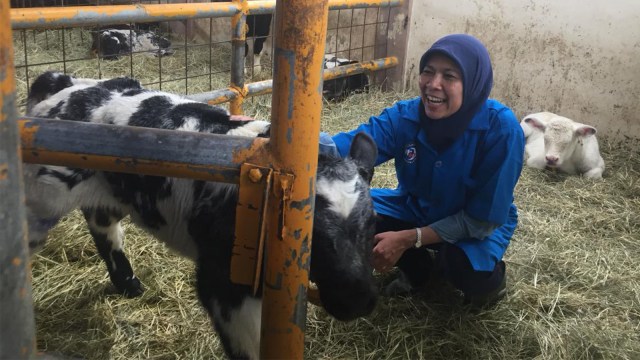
{"type": "Point", "coordinates": [32, 154]}
{"type": "Point", "coordinates": [266, 5]}
{"type": "Point", "coordinates": [4, 171]}
{"type": "Point", "coordinates": [223, 98]}
{"type": "Point", "coordinates": [72, 15]}
{"type": "Point", "coordinates": [126, 165]}
{"type": "Point", "coordinates": [16, 309]}
{"type": "Point", "coordinates": [235, 106]}
{"type": "Point", "coordinates": [300, 35]}
{"type": "Point", "coordinates": [239, 29]}
{"type": "Point", "coordinates": [247, 254]}
{"type": "Point", "coordinates": [7, 72]}
{"type": "Point", "coordinates": [27, 134]}
{"type": "Point", "coordinates": [334, 4]}
{"type": "Point", "coordinates": [372, 65]}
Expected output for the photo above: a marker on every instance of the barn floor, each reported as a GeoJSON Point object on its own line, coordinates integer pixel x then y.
{"type": "Point", "coordinates": [573, 282]}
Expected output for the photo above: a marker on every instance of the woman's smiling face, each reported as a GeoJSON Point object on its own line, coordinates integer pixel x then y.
{"type": "Point", "coordinates": [441, 87]}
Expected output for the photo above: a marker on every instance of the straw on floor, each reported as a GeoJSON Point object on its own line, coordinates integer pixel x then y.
{"type": "Point", "coordinates": [573, 275]}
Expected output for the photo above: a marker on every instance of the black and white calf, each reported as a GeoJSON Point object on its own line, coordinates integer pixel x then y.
{"type": "Point", "coordinates": [111, 43]}
{"type": "Point", "coordinates": [339, 89]}
{"type": "Point", "coordinates": [258, 27]}
{"type": "Point", "coordinates": [197, 218]}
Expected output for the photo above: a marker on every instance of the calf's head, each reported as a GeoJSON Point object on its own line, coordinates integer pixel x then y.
{"type": "Point", "coordinates": [561, 136]}
{"type": "Point", "coordinates": [344, 226]}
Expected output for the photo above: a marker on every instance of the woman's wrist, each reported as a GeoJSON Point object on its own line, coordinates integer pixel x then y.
{"type": "Point", "coordinates": [429, 236]}
{"type": "Point", "coordinates": [409, 237]}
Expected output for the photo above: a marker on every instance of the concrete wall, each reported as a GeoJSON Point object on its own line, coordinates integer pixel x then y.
{"type": "Point", "coordinates": [577, 58]}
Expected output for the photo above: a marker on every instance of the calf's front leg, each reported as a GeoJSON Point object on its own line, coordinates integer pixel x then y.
{"type": "Point", "coordinates": [104, 226]}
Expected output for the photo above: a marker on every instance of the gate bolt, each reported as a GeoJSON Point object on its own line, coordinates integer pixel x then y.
{"type": "Point", "coordinates": [255, 175]}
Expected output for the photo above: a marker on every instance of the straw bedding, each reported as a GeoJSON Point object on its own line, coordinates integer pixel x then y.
{"type": "Point", "coordinates": [573, 275]}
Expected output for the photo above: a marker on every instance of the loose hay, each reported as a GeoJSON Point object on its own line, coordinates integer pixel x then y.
{"type": "Point", "coordinates": [573, 279]}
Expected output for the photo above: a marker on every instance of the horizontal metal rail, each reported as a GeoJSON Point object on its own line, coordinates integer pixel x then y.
{"type": "Point", "coordinates": [77, 16]}
{"type": "Point", "coordinates": [265, 87]}
{"type": "Point", "coordinates": [138, 150]}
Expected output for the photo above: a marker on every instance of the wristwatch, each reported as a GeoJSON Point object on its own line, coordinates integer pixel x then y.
{"type": "Point", "coordinates": [418, 243]}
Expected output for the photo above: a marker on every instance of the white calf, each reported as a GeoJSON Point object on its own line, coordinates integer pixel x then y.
{"type": "Point", "coordinates": [554, 141]}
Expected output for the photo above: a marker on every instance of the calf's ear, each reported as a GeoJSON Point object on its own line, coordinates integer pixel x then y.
{"type": "Point", "coordinates": [536, 123]}
{"type": "Point", "coordinates": [585, 130]}
{"type": "Point", "coordinates": [364, 152]}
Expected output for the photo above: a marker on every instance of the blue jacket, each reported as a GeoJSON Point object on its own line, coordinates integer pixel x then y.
{"type": "Point", "coordinates": [477, 174]}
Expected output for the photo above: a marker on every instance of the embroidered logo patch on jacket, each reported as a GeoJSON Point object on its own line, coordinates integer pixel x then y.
{"type": "Point", "coordinates": [410, 153]}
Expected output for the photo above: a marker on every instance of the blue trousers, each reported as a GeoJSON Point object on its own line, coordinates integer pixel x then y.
{"type": "Point", "coordinates": [450, 264]}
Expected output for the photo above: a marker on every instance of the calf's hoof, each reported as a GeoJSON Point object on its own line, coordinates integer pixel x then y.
{"type": "Point", "coordinates": [130, 287]}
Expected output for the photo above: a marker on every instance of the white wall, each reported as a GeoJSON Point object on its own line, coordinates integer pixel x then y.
{"type": "Point", "coordinates": [577, 58]}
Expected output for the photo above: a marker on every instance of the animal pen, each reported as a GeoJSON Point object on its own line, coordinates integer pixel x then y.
{"type": "Point", "coordinates": [275, 175]}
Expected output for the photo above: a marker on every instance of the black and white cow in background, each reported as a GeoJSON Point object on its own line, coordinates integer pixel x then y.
{"type": "Point", "coordinates": [197, 218]}
{"type": "Point", "coordinates": [339, 89]}
{"type": "Point", "coordinates": [258, 27]}
{"type": "Point", "coordinates": [112, 42]}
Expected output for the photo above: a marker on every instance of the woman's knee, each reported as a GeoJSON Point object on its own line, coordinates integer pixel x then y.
{"type": "Point", "coordinates": [456, 268]}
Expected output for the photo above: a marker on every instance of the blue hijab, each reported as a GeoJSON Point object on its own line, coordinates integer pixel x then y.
{"type": "Point", "coordinates": [477, 80]}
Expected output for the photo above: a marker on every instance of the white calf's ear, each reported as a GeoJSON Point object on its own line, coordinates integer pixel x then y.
{"type": "Point", "coordinates": [585, 130]}
{"type": "Point", "coordinates": [535, 123]}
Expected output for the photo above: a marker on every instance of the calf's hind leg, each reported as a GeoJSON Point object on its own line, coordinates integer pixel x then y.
{"type": "Point", "coordinates": [235, 314]}
{"type": "Point", "coordinates": [108, 236]}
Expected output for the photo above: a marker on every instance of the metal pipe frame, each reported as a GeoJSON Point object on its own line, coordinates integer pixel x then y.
{"type": "Point", "coordinates": [77, 16]}
{"type": "Point", "coordinates": [74, 16]}
{"type": "Point", "coordinates": [132, 149]}
{"type": "Point", "coordinates": [17, 323]}
{"type": "Point", "coordinates": [265, 87]}
{"type": "Point", "coordinates": [238, 40]}
{"type": "Point", "coordinates": [300, 36]}
{"type": "Point", "coordinates": [297, 96]}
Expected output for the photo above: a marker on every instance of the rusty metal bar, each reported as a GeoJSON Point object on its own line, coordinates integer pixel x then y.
{"type": "Point", "coordinates": [217, 96]}
{"type": "Point", "coordinates": [265, 87]}
{"type": "Point", "coordinates": [17, 330]}
{"type": "Point", "coordinates": [136, 150]}
{"type": "Point", "coordinates": [250, 232]}
{"type": "Point", "coordinates": [74, 16]}
{"type": "Point", "coordinates": [359, 68]}
{"type": "Point", "coordinates": [223, 95]}
{"type": "Point", "coordinates": [77, 16]}
{"type": "Point", "coordinates": [238, 39]}
{"type": "Point", "coordinates": [300, 35]}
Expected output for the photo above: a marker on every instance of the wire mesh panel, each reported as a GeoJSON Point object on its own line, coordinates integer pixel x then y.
{"type": "Point", "coordinates": [358, 34]}
{"type": "Point", "coordinates": [186, 57]}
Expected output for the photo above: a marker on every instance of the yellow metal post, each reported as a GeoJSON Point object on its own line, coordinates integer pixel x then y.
{"type": "Point", "coordinates": [300, 32]}
{"type": "Point", "coordinates": [239, 37]}
{"type": "Point", "coordinates": [17, 330]}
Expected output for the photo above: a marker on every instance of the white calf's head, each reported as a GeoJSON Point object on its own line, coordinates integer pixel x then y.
{"type": "Point", "coordinates": [561, 136]}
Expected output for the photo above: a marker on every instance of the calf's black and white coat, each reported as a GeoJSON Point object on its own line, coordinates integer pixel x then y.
{"type": "Point", "coordinates": [339, 89]}
{"type": "Point", "coordinates": [197, 218]}
{"type": "Point", "coordinates": [112, 42]}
